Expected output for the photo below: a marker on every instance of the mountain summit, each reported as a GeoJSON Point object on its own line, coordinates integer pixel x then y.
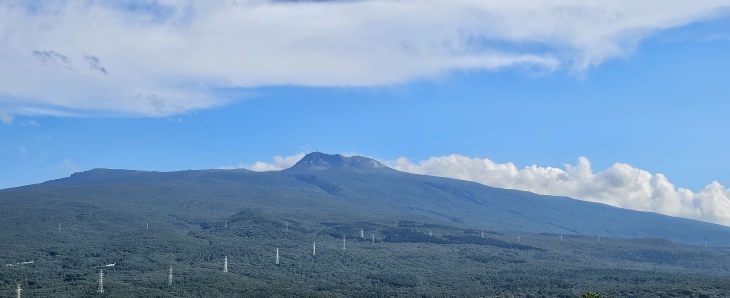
{"type": "Point", "coordinates": [320, 161]}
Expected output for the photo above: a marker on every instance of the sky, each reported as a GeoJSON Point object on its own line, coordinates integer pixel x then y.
{"type": "Point", "coordinates": [621, 102]}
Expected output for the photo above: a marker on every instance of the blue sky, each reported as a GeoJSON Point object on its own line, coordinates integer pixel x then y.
{"type": "Point", "coordinates": [660, 105]}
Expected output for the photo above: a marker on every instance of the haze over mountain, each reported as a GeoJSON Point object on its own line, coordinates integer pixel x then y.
{"type": "Point", "coordinates": [333, 187]}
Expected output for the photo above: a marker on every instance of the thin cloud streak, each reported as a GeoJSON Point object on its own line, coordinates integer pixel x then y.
{"type": "Point", "coordinates": [169, 60]}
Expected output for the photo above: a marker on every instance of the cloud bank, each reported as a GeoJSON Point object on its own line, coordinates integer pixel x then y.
{"type": "Point", "coordinates": [621, 185]}
{"type": "Point", "coordinates": [160, 57]}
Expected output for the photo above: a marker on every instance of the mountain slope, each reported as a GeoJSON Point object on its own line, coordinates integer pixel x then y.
{"type": "Point", "coordinates": [324, 187]}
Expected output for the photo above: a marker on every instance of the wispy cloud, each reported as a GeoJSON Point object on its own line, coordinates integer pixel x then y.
{"type": "Point", "coordinates": [182, 50]}
{"type": "Point", "coordinates": [67, 165]}
{"type": "Point", "coordinates": [279, 163]}
{"type": "Point", "coordinates": [5, 117]}
{"type": "Point", "coordinates": [621, 185]}
{"type": "Point", "coordinates": [52, 57]}
{"type": "Point", "coordinates": [94, 63]}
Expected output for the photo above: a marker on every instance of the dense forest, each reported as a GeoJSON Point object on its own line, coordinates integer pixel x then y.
{"type": "Point", "coordinates": [405, 259]}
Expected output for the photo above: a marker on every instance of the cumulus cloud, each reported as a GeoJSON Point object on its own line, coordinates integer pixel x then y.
{"type": "Point", "coordinates": [5, 117]}
{"type": "Point", "coordinates": [621, 185]}
{"type": "Point", "coordinates": [279, 163]}
{"type": "Point", "coordinates": [181, 51]}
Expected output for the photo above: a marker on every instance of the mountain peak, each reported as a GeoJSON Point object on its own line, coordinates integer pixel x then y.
{"type": "Point", "coordinates": [322, 161]}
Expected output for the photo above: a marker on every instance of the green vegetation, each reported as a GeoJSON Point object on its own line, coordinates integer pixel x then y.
{"type": "Point", "coordinates": [458, 263]}
{"type": "Point", "coordinates": [104, 215]}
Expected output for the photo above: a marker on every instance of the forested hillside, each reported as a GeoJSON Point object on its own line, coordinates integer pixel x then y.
{"type": "Point", "coordinates": [404, 235]}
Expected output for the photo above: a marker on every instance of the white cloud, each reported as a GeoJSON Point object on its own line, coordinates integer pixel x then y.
{"type": "Point", "coordinates": [621, 185]}
{"type": "Point", "coordinates": [166, 57]}
{"type": "Point", "coordinates": [5, 117]}
{"type": "Point", "coordinates": [68, 165]}
{"type": "Point", "coordinates": [280, 163]}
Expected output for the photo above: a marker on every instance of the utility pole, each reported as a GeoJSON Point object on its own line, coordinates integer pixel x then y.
{"type": "Point", "coordinates": [18, 290]}
{"type": "Point", "coordinates": [343, 243]}
{"type": "Point", "coordinates": [169, 277]}
{"type": "Point", "coordinates": [373, 239]}
{"type": "Point", "coordinates": [59, 226]}
{"type": "Point", "coordinates": [362, 233]}
{"type": "Point", "coordinates": [148, 226]}
{"type": "Point", "coordinates": [101, 281]}
{"type": "Point", "coordinates": [226, 224]}
{"type": "Point", "coordinates": [287, 226]}
{"type": "Point", "coordinates": [225, 264]}
{"type": "Point", "coordinates": [518, 237]}
{"type": "Point", "coordinates": [561, 237]}
{"type": "Point", "coordinates": [314, 248]}
{"type": "Point", "coordinates": [277, 256]}
{"type": "Point", "coordinates": [429, 233]}
{"type": "Point", "coordinates": [482, 234]}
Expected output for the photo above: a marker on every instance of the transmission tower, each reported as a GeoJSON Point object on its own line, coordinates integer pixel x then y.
{"type": "Point", "coordinates": [101, 281]}
{"type": "Point", "coordinates": [225, 264]}
{"type": "Point", "coordinates": [169, 277]}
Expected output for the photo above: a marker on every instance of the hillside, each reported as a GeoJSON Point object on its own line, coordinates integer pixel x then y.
{"type": "Point", "coordinates": [332, 186]}
{"type": "Point", "coordinates": [421, 235]}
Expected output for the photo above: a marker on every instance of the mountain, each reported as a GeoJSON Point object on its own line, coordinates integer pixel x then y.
{"type": "Point", "coordinates": [318, 161]}
{"type": "Point", "coordinates": [324, 187]}
{"type": "Point", "coordinates": [377, 232]}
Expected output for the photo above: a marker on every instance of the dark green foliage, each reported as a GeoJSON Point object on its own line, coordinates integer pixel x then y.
{"type": "Point", "coordinates": [397, 280]}
{"type": "Point", "coordinates": [400, 235]}
{"type": "Point", "coordinates": [488, 241]}
{"type": "Point", "coordinates": [496, 259]}
{"type": "Point", "coordinates": [407, 224]}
